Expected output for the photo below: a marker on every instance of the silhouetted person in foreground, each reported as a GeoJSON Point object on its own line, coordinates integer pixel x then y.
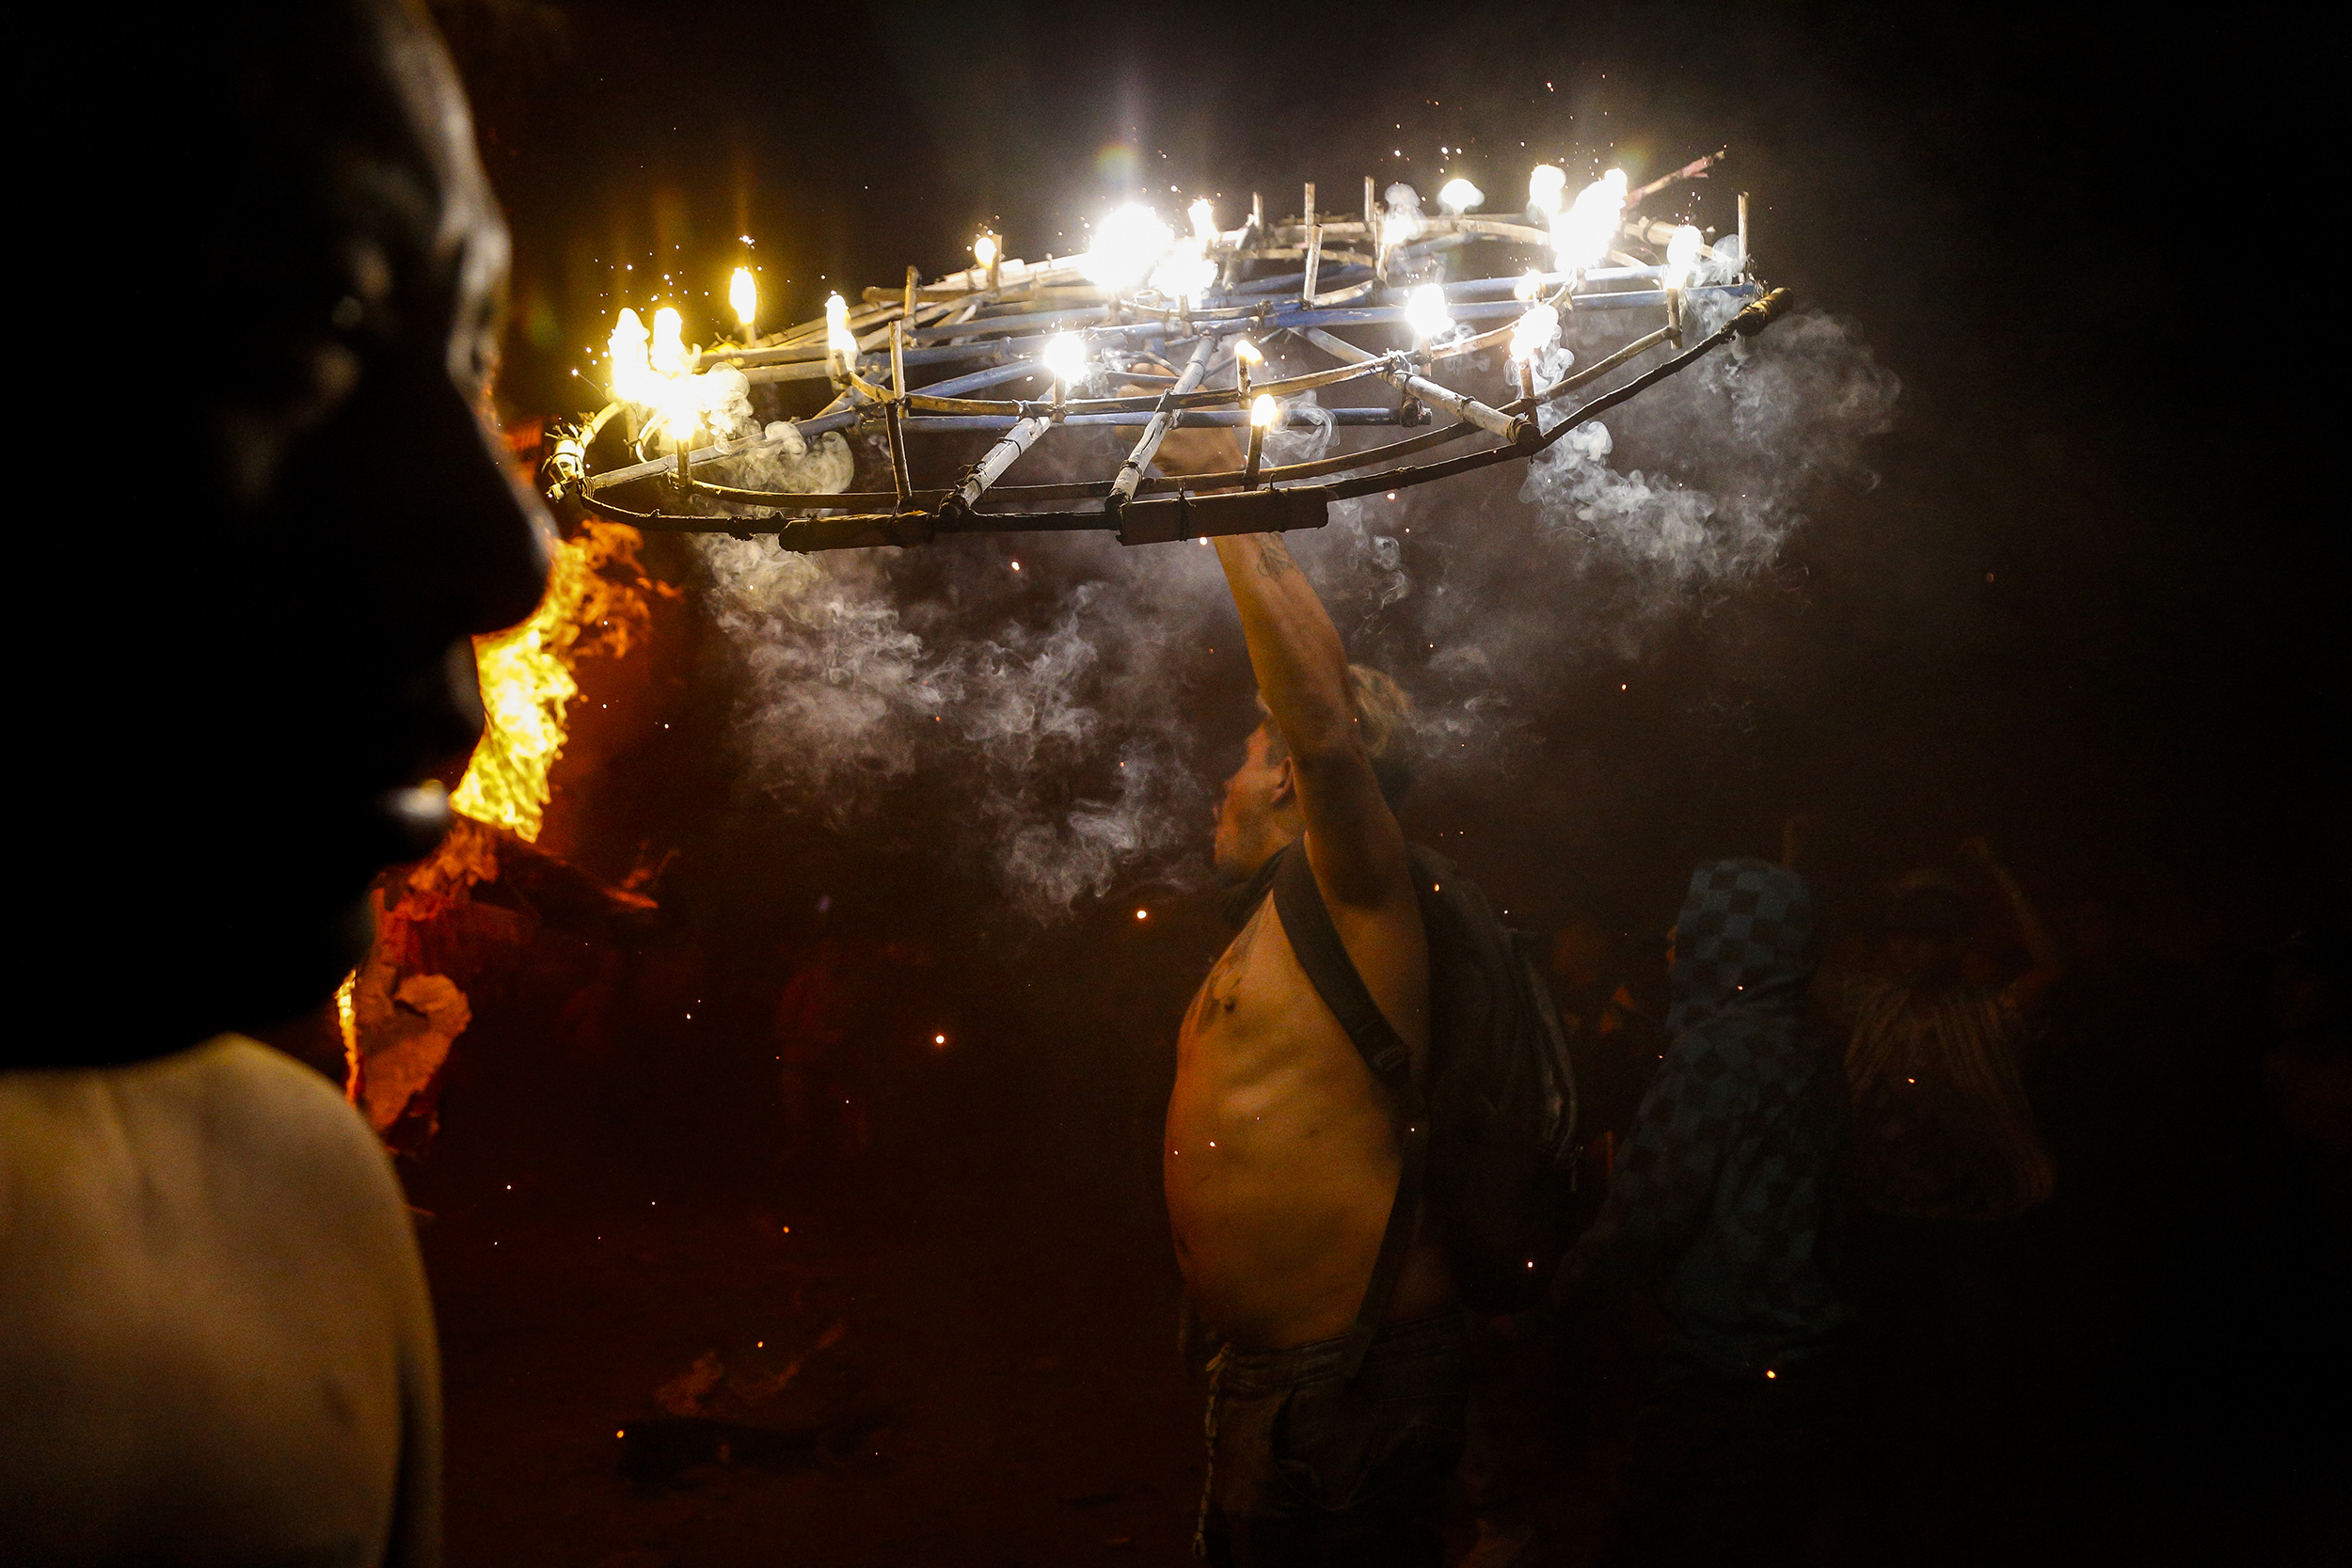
{"type": "Point", "coordinates": [215, 1344]}
{"type": "Point", "coordinates": [1721, 1207]}
{"type": "Point", "coordinates": [1283, 1151]}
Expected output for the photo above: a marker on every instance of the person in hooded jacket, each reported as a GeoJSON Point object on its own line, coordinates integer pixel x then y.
{"type": "Point", "coordinates": [1721, 1207]}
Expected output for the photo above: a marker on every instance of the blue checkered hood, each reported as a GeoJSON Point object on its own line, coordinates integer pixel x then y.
{"type": "Point", "coordinates": [1745, 937]}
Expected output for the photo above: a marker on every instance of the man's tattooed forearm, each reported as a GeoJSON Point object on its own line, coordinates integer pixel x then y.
{"type": "Point", "coordinates": [1274, 557]}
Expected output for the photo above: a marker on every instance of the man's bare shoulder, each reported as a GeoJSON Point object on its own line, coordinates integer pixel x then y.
{"type": "Point", "coordinates": [230, 1115]}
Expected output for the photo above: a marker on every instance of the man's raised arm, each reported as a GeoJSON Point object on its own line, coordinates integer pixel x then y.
{"type": "Point", "coordinates": [1353, 841]}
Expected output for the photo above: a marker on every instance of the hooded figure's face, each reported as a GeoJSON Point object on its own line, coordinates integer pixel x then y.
{"type": "Point", "coordinates": [1746, 933]}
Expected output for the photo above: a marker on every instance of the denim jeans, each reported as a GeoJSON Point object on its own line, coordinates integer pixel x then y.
{"type": "Point", "coordinates": [1306, 1467]}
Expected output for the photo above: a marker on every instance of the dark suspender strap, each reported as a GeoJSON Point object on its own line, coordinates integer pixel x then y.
{"type": "Point", "coordinates": [1317, 942]}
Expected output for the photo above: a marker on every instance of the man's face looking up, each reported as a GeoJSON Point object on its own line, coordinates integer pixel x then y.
{"type": "Point", "coordinates": [1251, 823]}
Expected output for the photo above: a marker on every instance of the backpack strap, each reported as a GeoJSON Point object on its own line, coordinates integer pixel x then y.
{"type": "Point", "coordinates": [1317, 942]}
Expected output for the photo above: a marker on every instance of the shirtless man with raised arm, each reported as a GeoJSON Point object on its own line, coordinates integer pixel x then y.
{"type": "Point", "coordinates": [1283, 1151]}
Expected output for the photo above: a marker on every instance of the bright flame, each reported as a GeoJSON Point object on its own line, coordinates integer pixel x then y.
{"type": "Point", "coordinates": [1582, 235]}
{"type": "Point", "coordinates": [1543, 184]}
{"type": "Point", "coordinates": [631, 370]}
{"type": "Point", "coordinates": [670, 358]}
{"type": "Point", "coordinates": [1246, 351]}
{"type": "Point", "coordinates": [1065, 358]}
{"type": "Point", "coordinates": [1185, 272]}
{"type": "Point", "coordinates": [744, 295]}
{"type": "Point", "coordinates": [1530, 283]}
{"type": "Point", "coordinates": [984, 250]}
{"type": "Point", "coordinates": [526, 673]}
{"type": "Point", "coordinates": [1400, 222]}
{"type": "Point", "coordinates": [1127, 245]}
{"type": "Point", "coordinates": [1424, 308]}
{"type": "Point", "coordinates": [1536, 330]}
{"type": "Point", "coordinates": [1459, 195]}
{"type": "Point", "coordinates": [1262, 410]}
{"type": "Point", "coordinates": [347, 1024]}
{"type": "Point", "coordinates": [840, 340]}
{"type": "Point", "coordinates": [1204, 215]}
{"type": "Point", "coordinates": [1682, 256]}
{"type": "Point", "coordinates": [656, 371]}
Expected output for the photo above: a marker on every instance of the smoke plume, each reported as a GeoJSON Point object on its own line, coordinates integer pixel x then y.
{"type": "Point", "coordinates": [1049, 682]}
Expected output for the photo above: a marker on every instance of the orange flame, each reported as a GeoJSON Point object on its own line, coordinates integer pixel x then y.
{"type": "Point", "coordinates": [527, 679]}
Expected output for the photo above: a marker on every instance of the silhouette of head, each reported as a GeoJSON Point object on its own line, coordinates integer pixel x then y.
{"type": "Point", "coordinates": [278, 663]}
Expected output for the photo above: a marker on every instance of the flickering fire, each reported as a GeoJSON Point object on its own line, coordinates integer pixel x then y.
{"type": "Point", "coordinates": [1582, 235]}
{"type": "Point", "coordinates": [840, 341]}
{"type": "Point", "coordinates": [526, 673]}
{"type": "Point", "coordinates": [347, 1025]}
{"type": "Point", "coordinates": [1682, 255]}
{"type": "Point", "coordinates": [1545, 182]}
{"type": "Point", "coordinates": [1127, 245]}
{"type": "Point", "coordinates": [1425, 310]}
{"type": "Point", "coordinates": [655, 372]}
{"type": "Point", "coordinates": [744, 294]}
{"type": "Point", "coordinates": [1459, 195]}
{"type": "Point", "coordinates": [1065, 358]}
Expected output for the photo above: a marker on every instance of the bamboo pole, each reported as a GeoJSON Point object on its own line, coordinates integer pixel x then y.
{"type": "Point", "coordinates": [1131, 472]}
{"type": "Point", "coordinates": [1511, 427]}
{"type": "Point", "coordinates": [993, 464]}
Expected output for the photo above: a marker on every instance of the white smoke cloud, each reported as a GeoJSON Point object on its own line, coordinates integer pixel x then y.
{"type": "Point", "coordinates": [1055, 700]}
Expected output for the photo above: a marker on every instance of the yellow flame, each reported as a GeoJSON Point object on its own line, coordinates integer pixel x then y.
{"type": "Point", "coordinates": [1127, 245]}
{"type": "Point", "coordinates": [744, 295]}
{"type": "Point", "coordinates": [1582, 235]}
{"type": "Point", "coordinates": [840, 340]}
{"type": "Point", "coordinates": [1682, 256]}
{"type": "Point", "coordinates": [347, 1025]}
{"type": "Point", "coordinates": [526, 673]}
{"type": "Point", "coordinates": [1066, 357]}
{"type": "Point", "coordinates": [655, 370]}
{"type": "Point", "coordinates": [1536, 330]}
{"type": "Point", "coordinates": [1545, 182]}
{"type": "Point", "coordinates": [984, 250]}
{"type": "Point", "coordinates": [632, 371]}
{"type": "Point", "coordinates": [1262, 411]}
{"type": "Point", "coordinates": [1248, 351]}
{"type": "Point", "coordinates": [1530, 283]}
{"type": "Point", "coordinates": [1459, 195]}
{"type": "Point", "coordinates": [670, 358]}
{"type": "Point", "coordinates": [1204, 215]}
{"type": "Point", "coordinates": [1185, 272]}
{"type": "Point", "coordinates": [1426, 310]}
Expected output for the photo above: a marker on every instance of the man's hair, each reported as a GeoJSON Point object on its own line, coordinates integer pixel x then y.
{"type": "Point", "coordinates": [1384, 717]}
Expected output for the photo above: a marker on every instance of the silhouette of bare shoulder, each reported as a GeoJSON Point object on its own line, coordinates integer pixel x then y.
{"type": "Point", "coordinates": [211, 1303]}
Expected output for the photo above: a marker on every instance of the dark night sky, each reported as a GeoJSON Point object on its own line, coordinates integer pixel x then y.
{"type": "Point", "coordinates": [2084, 605]}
